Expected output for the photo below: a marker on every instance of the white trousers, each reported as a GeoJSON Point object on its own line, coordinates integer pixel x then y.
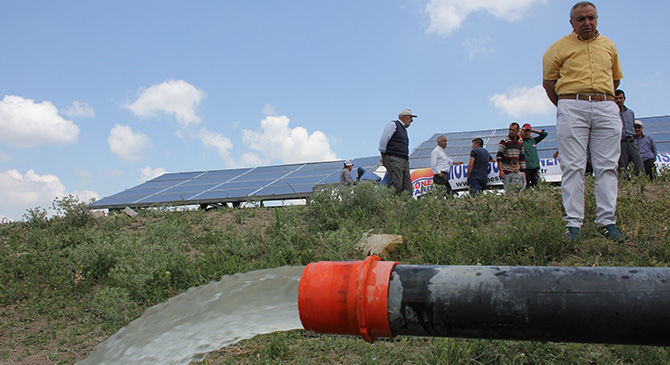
{"type": "Point", "coordinates": [595, 124]}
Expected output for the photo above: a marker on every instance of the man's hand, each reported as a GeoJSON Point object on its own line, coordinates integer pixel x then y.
{"type": "Point", "coordinates": [549, 88]}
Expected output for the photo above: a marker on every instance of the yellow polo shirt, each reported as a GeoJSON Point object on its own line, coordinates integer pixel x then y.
{"type": "Point", "coordinates": [582, 66]}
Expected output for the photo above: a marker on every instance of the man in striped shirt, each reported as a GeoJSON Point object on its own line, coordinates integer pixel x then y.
{"type": "Point", "coordinates": [510, 149]}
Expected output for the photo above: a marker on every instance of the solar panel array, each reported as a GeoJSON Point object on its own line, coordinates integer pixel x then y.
{"type": "Point", "coordinates": [297, 181]}
{"type": "Point", "coordinates": [264, 183]}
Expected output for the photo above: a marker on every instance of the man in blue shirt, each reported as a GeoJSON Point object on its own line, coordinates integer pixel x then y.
{"type": "Point", "coordinates": [629, 150]}
{"type": "Point", "coordinates": [647, 147]}
{"type": "Point", "coordinates": [478, 169]}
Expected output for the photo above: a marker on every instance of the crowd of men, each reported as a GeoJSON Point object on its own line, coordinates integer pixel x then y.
{"type": "Point", "coordinates": [581, 76]}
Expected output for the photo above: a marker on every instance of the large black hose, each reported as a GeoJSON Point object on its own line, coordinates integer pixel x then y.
{"type": "Point", "coordinates": [614, 305]}
{"type": "Point", "coordinates": [373, 298]}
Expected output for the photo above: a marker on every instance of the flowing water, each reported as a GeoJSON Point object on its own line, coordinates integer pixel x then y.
{"type": "Point", "coordinates": [206, 318]}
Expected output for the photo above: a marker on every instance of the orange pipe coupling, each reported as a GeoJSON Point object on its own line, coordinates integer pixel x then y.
{"type": "Point", "coordinates": [346, 298]}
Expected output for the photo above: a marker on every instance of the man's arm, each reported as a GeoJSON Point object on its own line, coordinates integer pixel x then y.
{"type": "Point", "coordinates": [551, 92]}
{"type": "Point", "coordinates": [542, 135]}
{"type": "Point", "coordinates": [471, 166]}
{"type": "Point", "coordinates": [389, 129]}
{"type": "Point", "coordinates": [653, 146]}
{"type": "Point", "coordinates": [501, 153]}
{"type": "Point", "coordinates": [616, 84]}
{"type": "Point", "coordinates": [434, 157]}
{"type": "Point", "coordinates": [384, 140]}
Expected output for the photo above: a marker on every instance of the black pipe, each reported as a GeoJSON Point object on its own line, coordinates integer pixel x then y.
{"type": "Point", "coordinates": [564, 304]}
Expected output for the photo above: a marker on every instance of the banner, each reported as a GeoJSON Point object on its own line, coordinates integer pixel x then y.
{"type": "Point", "coordinates": [550, 171]}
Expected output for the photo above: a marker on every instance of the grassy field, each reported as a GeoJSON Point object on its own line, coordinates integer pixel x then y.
{"type": "Point", "coordinates": [70, 281]}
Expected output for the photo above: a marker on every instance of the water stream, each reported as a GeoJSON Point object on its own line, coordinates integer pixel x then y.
{"type": "Point", "coordinates": [206, 318]}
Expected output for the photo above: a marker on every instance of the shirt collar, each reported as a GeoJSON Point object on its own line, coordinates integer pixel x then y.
{"type": "Point", "coordinates": [586, 40]}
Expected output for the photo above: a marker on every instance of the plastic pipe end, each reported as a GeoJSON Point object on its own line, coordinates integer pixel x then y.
{"type": "Point", "coordinates": [346, 298]}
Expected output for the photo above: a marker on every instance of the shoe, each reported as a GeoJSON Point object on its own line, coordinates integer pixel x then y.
{"type": "Point", "coordinates": [573, 233]}
{"type": "Point", "coordinates": [610, 232]}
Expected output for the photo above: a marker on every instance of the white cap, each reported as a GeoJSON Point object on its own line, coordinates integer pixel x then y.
{"type": "Point", "coordinates": [639, 122]}
{"type": "Point", "coordinates": [406, 112]}
{"type": "Point", "coordinates": [348, 163]}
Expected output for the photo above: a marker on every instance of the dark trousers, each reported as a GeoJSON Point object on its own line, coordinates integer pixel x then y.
{"type": "Point", "coordinates": [630, 153]}
{"type": "Point", "coordinates": [398, 170]}
{"type": "Point", "coordinates": [477, 184]}
{"type": "Point", "coordinates": [444, 180]}
{"type": "Point", "coordinates": [650, 168]}
{"type": "Point", "coordinates": [532, 177]}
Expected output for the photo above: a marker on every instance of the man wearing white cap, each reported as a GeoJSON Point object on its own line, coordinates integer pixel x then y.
{"type": "Point", "coordinates": [345, 174]}
{"type": "Point", "coordinates": [394, 148]}
{"type": "Point", "coordinates": [647, 147]}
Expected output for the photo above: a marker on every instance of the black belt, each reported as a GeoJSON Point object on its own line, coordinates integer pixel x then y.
{"type": "Point", "coordinates": [587, 97]}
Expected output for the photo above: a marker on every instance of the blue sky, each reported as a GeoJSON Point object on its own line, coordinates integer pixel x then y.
{"type": "Point", "coordinates": [99, 96]}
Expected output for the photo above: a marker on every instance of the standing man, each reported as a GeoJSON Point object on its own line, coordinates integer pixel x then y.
{"type": "Point", "coordinates": [580, 73]}
{"type": "Point", "coordinates": [440, 163]}
{"type": "Point", "coordinates": [530, 152]}
{"type": "Point", "coordinates": [478, 169]}
{"type": "Point", "coordinates": [647, 147]}
{"type": "Point", "coordinates": [394, 148]}
{"type": "Point", "coordinates": [629, 149]}
{"type": "Point", "coordinates": [345, 173]}
{"type": "Point", "coordinates": [510, 149]}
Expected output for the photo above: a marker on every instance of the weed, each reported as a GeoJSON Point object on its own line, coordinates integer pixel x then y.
{"type": "Point", "coordinates": [118, 266]}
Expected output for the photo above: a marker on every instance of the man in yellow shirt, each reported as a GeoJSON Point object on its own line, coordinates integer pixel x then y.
{"type": "Point", "coordinates": [580, 73]}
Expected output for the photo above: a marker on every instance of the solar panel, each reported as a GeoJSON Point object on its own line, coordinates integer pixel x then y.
{"type": "Point", "coordinates": [294, 181]}
{"type": "Point", "coordinates": [233, 185]}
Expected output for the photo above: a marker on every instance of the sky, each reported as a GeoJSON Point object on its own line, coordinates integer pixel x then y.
{"type": "Point", "coordinates": [100, 96]}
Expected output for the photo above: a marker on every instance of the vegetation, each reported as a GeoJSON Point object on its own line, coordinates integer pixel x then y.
{"type": "Point", "coordinates": [70, 281]}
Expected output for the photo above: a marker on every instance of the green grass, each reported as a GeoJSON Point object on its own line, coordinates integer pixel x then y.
{"type": "Point", "coordinates": [85, 275]}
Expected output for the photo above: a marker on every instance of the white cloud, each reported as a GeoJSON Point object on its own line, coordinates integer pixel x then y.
{"type": "Point", "coordinates": [253, 160]}
{"type": "Point", "coordinates": [477, 45]}
{"type": "Point", "coordinates": [523, 101]}
{"type": "Point", "coordinates": [21, 192]}
{"type": "Point", "coordinates": [220, 143]}
{"type": "Point", "coordinates": [83, 173]}
{"type": "Point", "coordinates": [177, 98]}
{"type": "Point", "coordinates": [5, 157]}
{"type": "Point", "coordinates": [113, 173]}
{"type": "Point", "coordinates": [84, 195]}
{"type": "Point", "coordinates": [126, 144]}
{"type": "Point", "coordinates": [448, 15]}
{"type": "Point", "coordinates": [276, 140]}
{"type": "Point", "coordinates": [25, 123]}
{"type": "Point", "coordinates": [270, 110]}
{"type": "Point", "coordinates": [147, 173]}
{"type": "Point", "coordinates": [78, 109]}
